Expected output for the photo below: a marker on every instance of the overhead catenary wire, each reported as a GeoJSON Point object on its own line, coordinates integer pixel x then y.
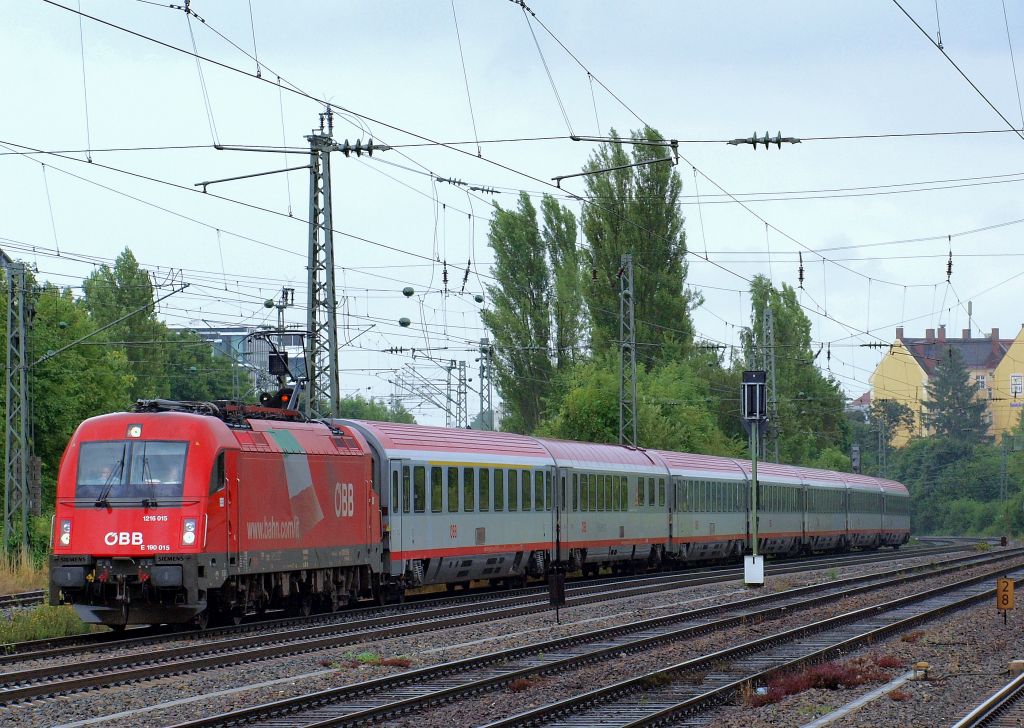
{"type": "Point", "coordinates": [942, 50]}
{"type": "Point", "coordinates": [465, 78]}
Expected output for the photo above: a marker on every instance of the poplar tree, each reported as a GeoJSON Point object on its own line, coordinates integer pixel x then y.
{"type": "Point", "coordinates": [635, 209]}
{"type": "Point", "coordinates": [519, 317]}
{"type": "Point", "coordinates": [559, 233]}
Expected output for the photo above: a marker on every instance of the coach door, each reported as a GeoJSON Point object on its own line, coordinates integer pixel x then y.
{"type": "Point", "coordinates": [397, 501]}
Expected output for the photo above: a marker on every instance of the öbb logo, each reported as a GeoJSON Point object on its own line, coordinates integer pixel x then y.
{"type": "Point", "coordinates": [123, 538]}
{"type": "Point", "coordinates": [344, 500]}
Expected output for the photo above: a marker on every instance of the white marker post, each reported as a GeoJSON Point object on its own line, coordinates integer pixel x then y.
{"type": "Point", "coordinates": [754, 413]}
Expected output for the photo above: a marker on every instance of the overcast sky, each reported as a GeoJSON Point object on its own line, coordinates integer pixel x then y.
{"type": "Point", "coordinates": [698, 72]}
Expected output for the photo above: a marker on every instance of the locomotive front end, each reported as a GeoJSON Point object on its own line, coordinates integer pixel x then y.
{"type": "Point", "coordinates": [131, 521]}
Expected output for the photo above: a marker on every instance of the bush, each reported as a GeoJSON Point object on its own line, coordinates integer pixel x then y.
{"type": "Point", "coordinates": [42, 622]}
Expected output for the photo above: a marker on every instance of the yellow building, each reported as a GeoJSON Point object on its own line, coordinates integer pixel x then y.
{"type": "Point", "coordinates": [996, 366]}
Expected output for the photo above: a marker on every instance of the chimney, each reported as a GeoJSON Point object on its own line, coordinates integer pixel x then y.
{"type": "Point", "coordinates": [995, 341]}
{"type": "Point", "coordinates": [942, 333]}
{"type": "Point", "coordinates": [929, 334]}
{"type": "Point", "coordinates": [967, 334]}
{"type": "Point", "coordinates": [899, 332]}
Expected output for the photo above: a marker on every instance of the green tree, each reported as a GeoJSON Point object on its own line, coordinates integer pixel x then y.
{"type": "Point", "coordinates": [636, 210]}
{"type": "Point", "coordinates": [673, 413]}
{"type": "Point", "coordinates": [885, 418]}
{"type": "Point", "coordinates": [952, 409]}
{"type": "Point", "coordinates": [361, 408]}
{"type": "Point", "coordinates": [101, 380]}
{"type": "Point", "coordinates": [810, 405]}
{"type": "Point", "coordinates": [559, 233]}
{"type": "Point", "coordinates": [520, 317]}
{"type": "Point", "coordinates": [111, 293]}
{"type": "Point", "coordinates": [194, 373]}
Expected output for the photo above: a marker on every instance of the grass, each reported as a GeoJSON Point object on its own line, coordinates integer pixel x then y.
{"type": "Point", "coordinates": [355, 659]}
{"type": "Point", "coordinates": [41, 622]}
{"type": "Point", "coordinates": [21, 573]}
{"type": "Point", "coordinates": [827, 676]}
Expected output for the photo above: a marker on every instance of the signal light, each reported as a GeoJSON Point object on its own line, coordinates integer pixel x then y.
{"type": "Point", "coordinates": [279, 400]}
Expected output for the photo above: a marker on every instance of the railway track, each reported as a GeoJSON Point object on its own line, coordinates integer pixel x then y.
{"type": "Point", "coordinates": [690, 688]}
{"type": "Point", "coordinates": [1003, 709]}
{"type": "Point", "coordinates": [64, 647]}
{"type": "Point", "coordinates": [22, 599]}
{"type": "Point", "coordinates": [61, 675]}
{"type": "Point", "coordinates": [388, 697]}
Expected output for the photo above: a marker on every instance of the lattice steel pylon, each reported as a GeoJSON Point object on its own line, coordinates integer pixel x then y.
{"type": "Point", "coordinates": [461, 397]}
{"type": "Point", "coordinates": [16, 450]}
{"type": "Point", "coordinates": [768, 349]}
{"type": "Point", "coordinates": [627, 356]}
{"type": "Point", "coordinates": [322, 303]}
{"type": "Point", "coordinates": [486, 403]}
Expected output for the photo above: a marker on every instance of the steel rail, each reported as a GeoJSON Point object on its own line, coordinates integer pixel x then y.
{"type": "Point", "coordinates": [992, 708]}
{"type": "Point", "coordinates": [327, 701]}
{"type": "Point", "coordinates": [721, 693]}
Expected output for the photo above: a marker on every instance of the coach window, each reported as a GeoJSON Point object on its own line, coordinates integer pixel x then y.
{"type": "Point", "coordinates": [393, 506]}
{"type": "Point", "coordinates": [499, 489]}
{"type": "Point", "coordinates": [575, 491]}
{"type": "Point", "coordinates": [436, 490]}
{"type": "Point", "coordinates": [525, 475]}
{"type": "Point", "coordinates": [548, 502]}
{"type": "Point", "coordinates": [650, 491]}
{"type": "Point", "coordinates": [624, 493]}
{"type": "Point", "coordinates": [538, 490]}
{"type": "Point", "coordinates": [468, 490]}
{"type": "Point", "coordinates": [562, 502]}
{"type": "Point", "coordinates": [406, 488]}
{"type": "Point", "coordinates": [419, 488]}
{"type": "Point", "coordinates": [600, 492]}
{"type": "Point", "coordinates": [485, 489]}
{"type": "Point", "coordinates": [453, 490]}
{"type": "Point", "coordinates": [513, 489]}
{"type": "Point", "coordinates": [615, 493]}
{"type": "Point", "coordinates": [592, 487]}
{"type": "Point", "coordinates": [608, 504]}
{"type": "Point", "coordinates": [661, 492]}
{"type": "Point", "coordinates": [584, 493]}
{"type": "Point", "coordinates": [640, 491]}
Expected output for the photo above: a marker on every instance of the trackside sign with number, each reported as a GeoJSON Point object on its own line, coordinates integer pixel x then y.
{"type": "Point", "coordinates": [1004, 594]}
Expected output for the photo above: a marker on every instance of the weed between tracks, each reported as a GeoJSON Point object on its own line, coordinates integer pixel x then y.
{"type": "Point", "coordinates": [41, 622]}
{"type": "Point", "coordinates": [372, 659]}
{"type": "Point", "coordinates": [827, 676]}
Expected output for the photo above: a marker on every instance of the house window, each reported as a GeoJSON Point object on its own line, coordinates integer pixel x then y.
{"type": "Point", "coordinates": [979, 379]}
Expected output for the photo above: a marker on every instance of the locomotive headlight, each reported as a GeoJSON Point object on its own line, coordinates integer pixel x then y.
{"type": "Point", "coordinates": [188, 531]}
{"type": "Point", "coordinates": [65, 533]}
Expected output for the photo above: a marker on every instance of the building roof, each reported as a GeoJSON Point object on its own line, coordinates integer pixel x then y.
{"type": "Point", "coordinates": [982, 352]}
{"type": "Point", "coordinates": [977, 353]}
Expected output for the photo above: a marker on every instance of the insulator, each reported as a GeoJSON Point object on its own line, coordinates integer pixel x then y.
{"type": "Point", "coordinates": [800, 273]}
{"type": "Point", "coordinates": [949, 266]}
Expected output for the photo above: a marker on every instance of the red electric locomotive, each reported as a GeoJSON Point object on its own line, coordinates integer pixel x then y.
{"type": "Point", "coordinates": [182, 512]}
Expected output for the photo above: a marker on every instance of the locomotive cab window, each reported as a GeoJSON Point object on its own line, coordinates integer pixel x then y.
{"type": "Point", "coordinates": [140, 469]}
{"type": "Point", "coordinates": [218, 474]}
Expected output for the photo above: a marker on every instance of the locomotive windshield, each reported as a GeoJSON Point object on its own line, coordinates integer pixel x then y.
{"type": "Point", "coordinates": [143, 470]}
